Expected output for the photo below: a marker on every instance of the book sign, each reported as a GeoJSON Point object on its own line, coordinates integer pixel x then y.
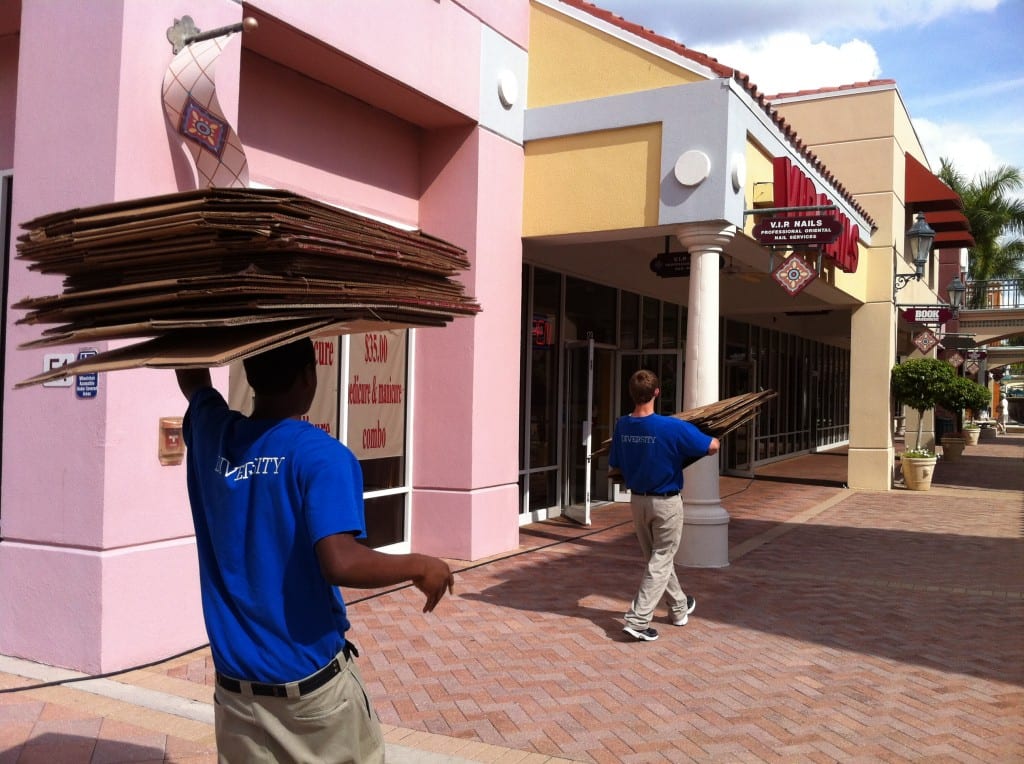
{"type": "Point", "coordinates": [931, 315]}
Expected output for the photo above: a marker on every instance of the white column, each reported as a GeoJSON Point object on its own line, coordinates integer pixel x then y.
{"type": "Point", "coordinates": [706, 533]}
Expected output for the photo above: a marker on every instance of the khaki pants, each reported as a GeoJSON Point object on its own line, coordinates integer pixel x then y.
{"type": "Point", "coordinates": [659, 529]}
{"type": "Point", "coordinates": [333, 724]}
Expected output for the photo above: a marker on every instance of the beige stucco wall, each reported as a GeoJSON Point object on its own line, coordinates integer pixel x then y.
{"type": "Point", "coordinates": [863, 137]}
{"type": "Point", "coordinates": [843, 118]}
{"type": "Point", "coordinates": [871, 356]}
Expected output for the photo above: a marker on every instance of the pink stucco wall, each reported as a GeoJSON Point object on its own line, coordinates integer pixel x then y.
{"type": "Point", "coordinates": [302, 135]}
{"type": "Point", "coordinates": [467, 375]}
{"type": "Point", "coordinates": [432, 47]}
{"type": "Point", "coordinates": [81, 480]}
{"type": "Point", "coordinates": [97, 566]}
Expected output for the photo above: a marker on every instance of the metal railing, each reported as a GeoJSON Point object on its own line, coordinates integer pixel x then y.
{"type": "Point", "coordinates": [994, 293]}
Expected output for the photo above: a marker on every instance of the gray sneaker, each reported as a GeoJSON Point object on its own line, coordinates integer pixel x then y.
{"type": "Point", "coordinates": [682, 618]}
{"type": "Point", "coordinates": [644, 635]}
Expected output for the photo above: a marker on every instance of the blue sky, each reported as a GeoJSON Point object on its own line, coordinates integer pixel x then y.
{"type": "Point", "coordinates": [958, 64]}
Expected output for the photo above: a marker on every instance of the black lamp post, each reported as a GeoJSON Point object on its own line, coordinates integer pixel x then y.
{"type": "Point", "coordinates": [919, 242]}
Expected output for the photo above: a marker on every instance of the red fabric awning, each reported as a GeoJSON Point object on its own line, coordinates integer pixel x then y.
{"type": "Point", "coordinates": [925, 192]}
{"type": "Point", "coordinates": [942, 206]}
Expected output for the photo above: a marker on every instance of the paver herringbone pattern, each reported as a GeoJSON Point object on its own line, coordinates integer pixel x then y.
{"type": "Point", "coordinates": [887, 627]}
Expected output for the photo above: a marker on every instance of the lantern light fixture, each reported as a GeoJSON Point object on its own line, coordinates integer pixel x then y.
{"type": "Point", "coordinates": [919, 242]}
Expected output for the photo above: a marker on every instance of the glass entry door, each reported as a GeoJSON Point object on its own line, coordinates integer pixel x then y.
{"type": "Point", "coordinates": [589, 391]}
{"type": "Point", "coordinates": [738, 445]}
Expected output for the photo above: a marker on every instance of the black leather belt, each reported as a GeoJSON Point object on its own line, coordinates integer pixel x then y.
{"type": "Point", "coordinates": [292, 689]}
{"type": "Point", "coordinates": [660, 495]}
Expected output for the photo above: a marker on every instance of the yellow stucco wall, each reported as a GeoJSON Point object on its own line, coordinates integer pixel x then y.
{"type": "Point", "coordinates": [598, 181]}
{"type": "Point", "coordinates": [570, 62]}
{"type": "Point", "coordinates": [760, 174]}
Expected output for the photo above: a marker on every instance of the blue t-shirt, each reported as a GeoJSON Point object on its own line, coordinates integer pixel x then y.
{"type": "Point", "coordinates": [651, 451]}
{"type": "Point", "coordinates": [263, 492]}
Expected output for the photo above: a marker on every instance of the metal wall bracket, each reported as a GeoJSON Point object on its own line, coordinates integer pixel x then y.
{"type": "Point", "coordinates": [184, 32]}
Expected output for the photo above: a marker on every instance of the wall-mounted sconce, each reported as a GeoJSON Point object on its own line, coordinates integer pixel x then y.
{"type": "Point", "coordinates": [956, 290]}
{"type": "Point", "coordinates": [919, 242]}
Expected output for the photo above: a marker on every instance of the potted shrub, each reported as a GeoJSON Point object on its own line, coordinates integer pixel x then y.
{"type": "Point", "coordinates": [953, 444]}
{"type": "Point", "coordinates": [922, 384]}
{"type": "Point", "coordinates": [918, 466]}
{"type": "Point", "coordinates": [971, 432]}
{"type": "Point", "coordinates": [961, 393]}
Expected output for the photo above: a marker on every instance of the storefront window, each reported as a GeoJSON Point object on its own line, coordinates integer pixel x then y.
{"type": "Point", "coordinates": [669, 326]}
{"type": "Point", "coordinates": [547, 291]}
{"type": "Point", "coordinates": [376, 400]}
{"type": "Point", "coordinates": [589, 311]}
{"type": "Point", "coordinates": [651, 323]}
{"type": "Point", "coordinates": [629, 324]}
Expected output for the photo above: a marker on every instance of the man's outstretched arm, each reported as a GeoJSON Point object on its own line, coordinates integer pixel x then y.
{"type": "Point", "coordinates": [346, 562]}
{"type": "Point", "coordinates": [190, 380]}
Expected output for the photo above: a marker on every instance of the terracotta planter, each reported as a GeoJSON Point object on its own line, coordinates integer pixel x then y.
{"type": "Point", "coordinates": [918, 471]}
{"type": "Point", "coordinates": [952, 446]}
{"type": "Point", "coordinates": [971, 436]}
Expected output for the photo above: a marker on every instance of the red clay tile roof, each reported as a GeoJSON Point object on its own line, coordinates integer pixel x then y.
{"type": "Point", "coordinates": [744, 81]}
{"type": "Point", "coordinates": [837, 88]}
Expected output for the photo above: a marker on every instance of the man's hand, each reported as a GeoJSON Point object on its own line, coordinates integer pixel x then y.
{"type": "Point", "coordinates": [436, 581]}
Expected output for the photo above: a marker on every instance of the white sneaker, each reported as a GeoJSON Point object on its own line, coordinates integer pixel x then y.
{"type": "Point", "coordinates": [681, 619]}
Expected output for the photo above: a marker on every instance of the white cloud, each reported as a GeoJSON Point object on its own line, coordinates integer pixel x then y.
{"type": "Point", "coordinates": [970, 154]}
{"type": "Point", "coordinates": [778, 63]}
{"type": "Point", "coordinates": [690, 21]}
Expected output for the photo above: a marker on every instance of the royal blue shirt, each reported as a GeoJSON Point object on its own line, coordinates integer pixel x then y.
{"type": "Point", "coordinates": [652, 450]}
{"type": "Point", "coordinates": [263, 492]}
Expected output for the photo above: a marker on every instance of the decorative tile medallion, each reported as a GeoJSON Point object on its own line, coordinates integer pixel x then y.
{"type": "Point", "coordinates": [794, 275]}
{"type": "Point", "coordinates": [925, 341]}
{"type": "Point", "coordinates": [956, 359]}
{"type": "Point", "coordinates": [973, 367]}
{"type": "Point", "coordinates": [203, 127]}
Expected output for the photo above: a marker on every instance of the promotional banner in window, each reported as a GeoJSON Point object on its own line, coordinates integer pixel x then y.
{"type": "Point", "coordinates": [376, 394]}
{"type": "Point", "coordinates": [323, 413]}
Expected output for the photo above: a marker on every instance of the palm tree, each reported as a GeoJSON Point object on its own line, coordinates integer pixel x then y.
{"type": "Point", "coordinates": [994, 208]}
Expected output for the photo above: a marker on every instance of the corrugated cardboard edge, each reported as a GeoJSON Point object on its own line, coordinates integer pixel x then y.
{"type": "Point", "coordinates": [194, 349]}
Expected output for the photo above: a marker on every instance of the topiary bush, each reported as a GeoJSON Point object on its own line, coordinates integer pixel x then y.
{"type": "Point", "coordinates": [921, 383]}
{"type": "Point", "coordinates": [963, 393]}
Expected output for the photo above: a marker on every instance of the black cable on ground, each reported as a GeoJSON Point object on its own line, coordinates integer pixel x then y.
{"type": "Point", "coordinates": [375, 595]}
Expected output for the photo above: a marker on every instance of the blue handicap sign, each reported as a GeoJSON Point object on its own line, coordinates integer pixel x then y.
{"type": "Point", "coordinates": [87, 385]}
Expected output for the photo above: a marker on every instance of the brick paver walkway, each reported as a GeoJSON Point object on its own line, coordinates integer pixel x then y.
{"type": "Point", "coordinates": [850, 626]}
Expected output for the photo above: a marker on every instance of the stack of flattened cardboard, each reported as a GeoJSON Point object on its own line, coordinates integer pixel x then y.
{"type": "Point", "coordinates": [213, 275]}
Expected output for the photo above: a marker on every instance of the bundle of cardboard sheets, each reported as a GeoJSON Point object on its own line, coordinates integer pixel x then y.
{"type": "Point", "coordinates": [205, 277]}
